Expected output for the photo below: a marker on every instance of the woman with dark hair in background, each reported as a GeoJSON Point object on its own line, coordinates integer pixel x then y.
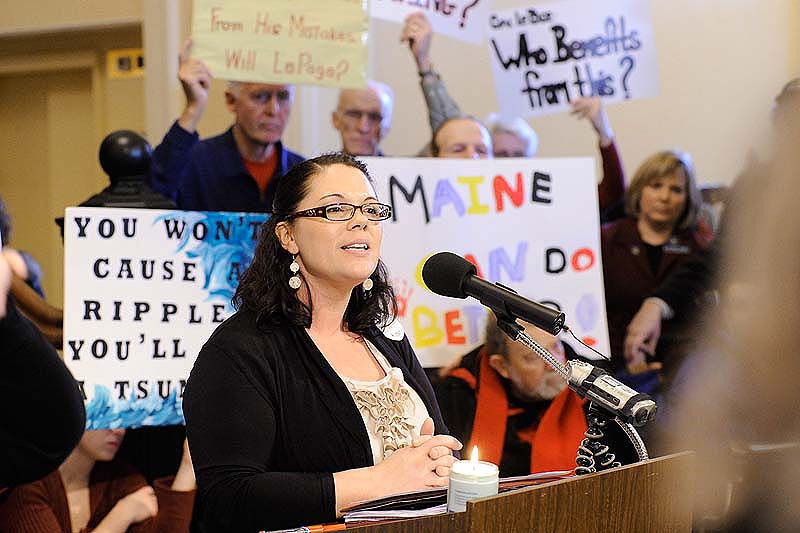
{"type": "Point", "coordinates": [310, 397]}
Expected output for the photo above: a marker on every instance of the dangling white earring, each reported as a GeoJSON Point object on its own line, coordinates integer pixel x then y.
{"type": "Point", "coordinates": [294, 267]}
{"type": "Point", "coordinates": [367, 285]}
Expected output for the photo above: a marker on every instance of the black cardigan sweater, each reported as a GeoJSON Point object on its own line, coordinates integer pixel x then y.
{"type": "Point", "coordinates": [269, 421]}
{"type": "Point", "coordinates": [43, 416]}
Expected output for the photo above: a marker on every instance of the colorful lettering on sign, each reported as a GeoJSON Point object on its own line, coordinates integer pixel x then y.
{"type": "Point", "coordinates": [475, 206]}
{"type": "Point", "coordinates": [426, 332]}
{"type": "Point", "coordinates": [468, 201]}
{"type": "Point", "coordinates": [454, 327]}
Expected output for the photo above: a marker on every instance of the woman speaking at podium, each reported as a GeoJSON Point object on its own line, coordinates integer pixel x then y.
{"type": "Point", "coordinates": [310, 398]}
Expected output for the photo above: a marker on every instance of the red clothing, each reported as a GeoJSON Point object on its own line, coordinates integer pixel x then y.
{"type": "Point", "coordinates": [552, 431]}
{"type": "Point", "coordinates": [611, 190]}
{"type": "Point", "coordinates": [629, 278]}
{"type": "Point", "coordinates": [262, 171]}
{"type": "Point", "coordinates": [42, 507]}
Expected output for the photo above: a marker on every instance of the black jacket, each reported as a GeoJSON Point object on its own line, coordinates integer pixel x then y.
{"type": "Point", "coordinates": [269, 421]}
{"type": "Point", "coordinates": [43, 415]}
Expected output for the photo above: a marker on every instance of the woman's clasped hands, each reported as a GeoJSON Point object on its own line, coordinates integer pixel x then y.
{"type": "Point", "coordinates": [424, 464]}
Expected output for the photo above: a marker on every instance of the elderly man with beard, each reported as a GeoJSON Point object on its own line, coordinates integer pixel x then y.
{"type": "Point", "coordinates": [511, 404]}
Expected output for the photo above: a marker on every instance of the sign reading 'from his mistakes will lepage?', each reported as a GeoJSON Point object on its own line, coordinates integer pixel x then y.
{"type": "Point", "coordinates": [283, 41]}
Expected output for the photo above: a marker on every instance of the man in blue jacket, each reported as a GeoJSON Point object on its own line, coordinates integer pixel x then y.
{"type": "Point", "coordinates": [237, 170]}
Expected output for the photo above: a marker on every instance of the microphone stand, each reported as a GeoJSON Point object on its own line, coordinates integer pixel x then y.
{"type": "Point", "coordinates": [594, 453]}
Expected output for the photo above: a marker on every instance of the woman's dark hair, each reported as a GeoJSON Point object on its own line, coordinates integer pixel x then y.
{"type": "Point", "coordinates": [264, 287]}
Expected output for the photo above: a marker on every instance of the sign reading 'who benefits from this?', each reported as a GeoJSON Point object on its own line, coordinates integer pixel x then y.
{"type": "Point", "coordinates": [283, 41]}
{"type": "Point", "coordinates": [545, 56]}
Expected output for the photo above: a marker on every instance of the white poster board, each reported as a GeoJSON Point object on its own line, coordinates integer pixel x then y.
{"type": "Point", "coordinates": [545, 56]}
{"type": "Point", "coordinates": [144, 289]}
{"type": "Point", "coordinates": [530, 224]}
{"type": "Point", "coordinates": [464, 20]}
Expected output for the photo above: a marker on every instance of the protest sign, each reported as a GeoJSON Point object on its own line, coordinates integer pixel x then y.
{"type": "Point", "coordinates": [544, 57]}
{"type": "Point", "coordinates": [530, 224]}
{"type": "Point", "coordinates": [144, 289]}
{"type": "Point", "coordinates": [283, 41]}
{"type": "Point", "coordinates": [461, 19]}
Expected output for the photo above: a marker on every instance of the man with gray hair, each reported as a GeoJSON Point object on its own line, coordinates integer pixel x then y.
{"type": "Point", "coordinates": [512, 137]}
{"type": "Point", "coordinates": [363, 117]}
{"type": "Point", "coordinates": [505, 399]}
{"type": "Point", "coordinates": [238, 170]}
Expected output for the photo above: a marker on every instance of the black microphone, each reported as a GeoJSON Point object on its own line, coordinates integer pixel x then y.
{"type": "Point", "coordinates": [448, 274]}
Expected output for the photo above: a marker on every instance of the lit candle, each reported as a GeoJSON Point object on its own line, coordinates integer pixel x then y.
{"type": "Point", "coordinates": [470, 480]}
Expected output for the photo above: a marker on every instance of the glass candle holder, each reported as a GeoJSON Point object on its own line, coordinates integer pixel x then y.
{"type": "Point", "coordinates": [470, 480]}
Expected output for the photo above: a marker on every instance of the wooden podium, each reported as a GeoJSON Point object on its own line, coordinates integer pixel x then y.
{"type": "Point", "coordinates": [654, 495]}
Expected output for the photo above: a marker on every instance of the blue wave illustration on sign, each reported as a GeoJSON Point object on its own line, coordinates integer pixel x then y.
{"type": "Point", "coordinates": [107, 412]}
{"type": "Point", "coordinates": [223, 243]}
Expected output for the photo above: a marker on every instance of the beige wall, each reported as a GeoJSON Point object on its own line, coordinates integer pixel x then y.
{"type": "Point", "coordinates": [53, 15]}
{"type": "Point", "coordinates": [42, 160]}
{"type": "Point", "coordinates": [56, 107]}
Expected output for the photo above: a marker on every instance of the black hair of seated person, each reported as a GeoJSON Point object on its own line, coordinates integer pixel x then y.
{"type": "Point", "coordinates": [435, 147]}
{"type": "Point", "coordinates": [125, 153]}
{"type": "Point", "coordinates": [155, 451]}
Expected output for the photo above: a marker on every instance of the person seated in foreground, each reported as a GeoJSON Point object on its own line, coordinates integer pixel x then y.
{"type": "Point", "coordinates": [310, 398]}
{"type": "Point", "coordinates": [45, 417]}
{"type": "Point", "coordinates": [91, 491]}
{"type": "Point", "coordinates": [509, 402]}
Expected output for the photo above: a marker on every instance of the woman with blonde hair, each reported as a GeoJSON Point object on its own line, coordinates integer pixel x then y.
{"type": "Point", "coordinates": [640, 251]}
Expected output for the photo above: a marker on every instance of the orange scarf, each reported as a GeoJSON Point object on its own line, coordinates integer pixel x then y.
{"type": "Point", "coordinates": [554, 443]}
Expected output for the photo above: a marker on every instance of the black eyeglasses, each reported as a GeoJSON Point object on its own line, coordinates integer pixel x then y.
{"type": "Point", "coordinates": [341, 211]}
